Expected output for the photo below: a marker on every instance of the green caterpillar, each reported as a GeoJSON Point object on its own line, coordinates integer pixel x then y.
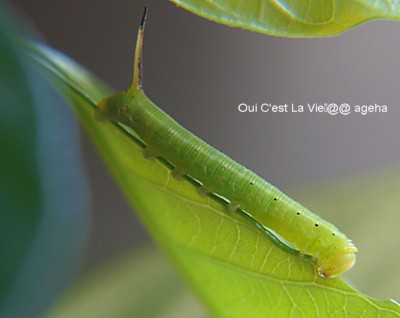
{"type": "Point", "coordinates": [334, 252]}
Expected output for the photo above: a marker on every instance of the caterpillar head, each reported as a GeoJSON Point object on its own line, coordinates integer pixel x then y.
{"type": "Point", "coordinates": [337, 264]}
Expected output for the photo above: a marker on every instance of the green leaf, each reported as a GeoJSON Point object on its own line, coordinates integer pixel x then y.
{"type": "Point", "coordinates": [112, 291]}
{"type": "Point", "coordinates": [236, 268]}
{"type": "Point", "coordinates": [293, 18]}
{"type": "Point", "coordinates": [43, 195]}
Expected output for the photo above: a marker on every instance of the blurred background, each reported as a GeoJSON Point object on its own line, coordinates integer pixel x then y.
{"type": "Point", "coordinates": [199, 72]}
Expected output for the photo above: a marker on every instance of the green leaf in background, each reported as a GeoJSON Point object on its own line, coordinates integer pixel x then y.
{"type": "Point", "coordinates": [291, 18]}
{"type": "Point", "coordinates": [232, 265]}
{"type": "Point", "coordinates": [43, 194]}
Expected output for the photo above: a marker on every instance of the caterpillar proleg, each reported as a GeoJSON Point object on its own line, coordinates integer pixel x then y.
{"type": "Point", "coordinates": [311, 235]}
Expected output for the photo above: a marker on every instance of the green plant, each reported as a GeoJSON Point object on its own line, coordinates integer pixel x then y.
{"type": "Point", "coordinates": [227, 282]}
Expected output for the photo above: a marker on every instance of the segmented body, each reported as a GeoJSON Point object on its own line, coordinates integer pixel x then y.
{"type": "Point", "coordinates": [222, 175]}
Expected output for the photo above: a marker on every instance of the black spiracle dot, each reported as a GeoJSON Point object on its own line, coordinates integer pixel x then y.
{"type": "Point", "coordinates": [298, 213]}
{"type": "Point", "coordinates": [333, 234]}
{"type": "Point", "coordinates": [251, 183]}
{"type": "Point", "coordinates": [316, 224]}
{"type": "Point", "coordinates": [275, 199]}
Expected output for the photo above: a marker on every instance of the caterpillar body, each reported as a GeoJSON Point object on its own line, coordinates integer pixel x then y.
{"type": "Point", "coordinates": [311, 235]}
